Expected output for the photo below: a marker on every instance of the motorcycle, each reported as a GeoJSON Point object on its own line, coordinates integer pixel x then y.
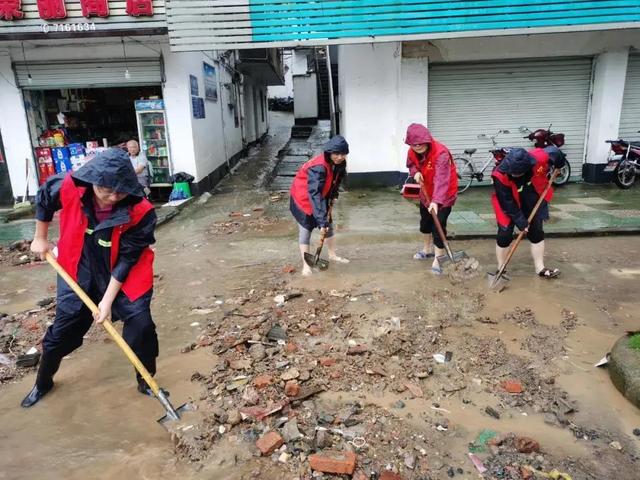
{"type": "Point", "coordinates": [627, 164]}
{"type": "Point", "coordinates": [542, 138]}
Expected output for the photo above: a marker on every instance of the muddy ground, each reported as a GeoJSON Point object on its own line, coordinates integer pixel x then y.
{"type": "Point", "coordinates": [359, 340]}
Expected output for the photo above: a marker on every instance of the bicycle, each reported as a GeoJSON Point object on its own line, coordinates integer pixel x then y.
{"type": "Point", "coordinates": [467, 171]}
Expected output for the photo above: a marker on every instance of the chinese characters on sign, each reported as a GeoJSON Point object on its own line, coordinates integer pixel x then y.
{"type": "Point", "coordinates": [10, 9]}
{"type": "Point", "coordinates": [139, 8]}
{"type": "Point", "coordinates": [95, 8]}
{"type": "Point", "coordinates": [52, 9]}
{"type": "Point", "coordinates": [56, 9]}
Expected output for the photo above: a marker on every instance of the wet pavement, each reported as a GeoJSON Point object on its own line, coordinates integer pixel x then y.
{"type": "Point", "coordinates": [95, 425]}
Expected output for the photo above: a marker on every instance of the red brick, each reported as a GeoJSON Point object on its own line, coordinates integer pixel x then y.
{"type": "Point", "coordinates": [292, 388]}
{"type": "Point", "coordinates": [269, 443]}
{"type": "Point", "coordinates": [359, 475]}
{"type": "Point", "coordinates": [526, 445]}
{"type": "Point", "coordinates": [314, 330]}
{"type": "Point", "coordinates": [341, 463]}
{"type": "Point", "coordinates": [288, 269]}
{"type": "Point", "coordinates": [262, 381]}
{"type": "Point", "coordinates": [291, 348]}
{"type": "Point", "coordinates": [327, 361]}
{"type": "Point", "coordinates": [512, 386]}
{"type": "Point", "coordinates": [387, 475]}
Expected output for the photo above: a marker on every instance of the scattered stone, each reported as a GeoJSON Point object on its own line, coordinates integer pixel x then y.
{"type": "Point", "coordinates": [292, 388]}
{"type": "Point", "coordinates": [284, 457]}
{"type": "Point", "coordinates": [636, 432]}
{"type": "Point", "coordinates": [314, 330]}
{"type": "Point", "coordinates": [322, 439]}
{"type": "Point", "coordinates": [257, 352]}
{"type": "Point", "coordinates": [451, 472]}
{"type": "Point", "coordinates": [399, 404]}
{"type": "Point", "coordinates": [415, 390]}
{"type": "Point", "coordinates": [46, 301]}
{"type": "Point", "coordinates": [492, 412]}
{"type": "Point", "coordinates": [290, 431]}
{"type": "Point", "coordinates": [410, 461]}
{"type": "Point", "coordinates": [616, 446]}
{"type": "Point", "coordinates": [276, 333]}
{"type": "Point", "coordinates": [234, 417]}
{"type": "Point", "coordinates": [290, 374]}
{"type": "Point", "coordinates": [341, 463]}
{"type": "Point", "coordinates": [325, 419]}
{"type": "Point", "coordinates": [267, 444]}
{"type": "Point", "coordinates": [357, 349]}
{"type": "Point", "coordinates": [291, 348]}
{"type": "Point", "coordinates": [242, 364]}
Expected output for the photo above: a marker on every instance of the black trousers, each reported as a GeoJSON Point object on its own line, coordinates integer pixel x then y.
{"type": "Point", "coordinates": [73, 320]}
{"type": "Point", "coordinates": [528, 199]}
{"type": "Point", "coordinates": [427, 224]}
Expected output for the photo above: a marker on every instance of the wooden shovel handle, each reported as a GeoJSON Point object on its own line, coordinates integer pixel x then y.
{"type": "Point", "coordinates": [515, 244]}
{"type": "Point", "coordinates": [436, 220]}
{"type": "Point", "coordinates": [108, 326]}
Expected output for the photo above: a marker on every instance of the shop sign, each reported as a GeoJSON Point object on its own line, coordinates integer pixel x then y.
{"type": "Point", "coordinates": [145, 105]}
{"type": "Point", "coordinates": [11, 9]}
{"type": "Point", "coordinates": [56, 9]}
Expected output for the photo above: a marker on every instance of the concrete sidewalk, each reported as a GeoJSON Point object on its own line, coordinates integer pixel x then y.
{"type": "Point", "coordinates": [577, 209]}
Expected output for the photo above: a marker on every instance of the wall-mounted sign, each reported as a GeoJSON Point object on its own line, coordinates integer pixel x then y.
{"type": "Point", "coordinates": [145, 105]}
{"type": "Point", "coordinates": [193, 83]}
{"type": "Point", "coordinates": [56, 9]}
{"type": "Point", "coordinates": [11, 10]}
{"type": "Point", "coordinates": [210, 82]}
{"type": "Point", "coordinates": [197, 107]}
{"type": "Point", "coordinates": [68, 27]}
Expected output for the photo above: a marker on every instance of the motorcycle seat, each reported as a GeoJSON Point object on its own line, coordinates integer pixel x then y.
{"type": "Point", "coordinates": [470, 151]}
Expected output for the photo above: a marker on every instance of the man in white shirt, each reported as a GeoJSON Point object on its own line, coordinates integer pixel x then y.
{"type": "Point", "coordinates": [140, 165]}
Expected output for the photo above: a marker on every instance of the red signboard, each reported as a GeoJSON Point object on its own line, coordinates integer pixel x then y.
{"type": "Point", "coordinates": [52, 9]}
{"type": "Point", "coordinates": [95, 8]}
{"type": "Point", "coordinates": [10, 9]}
{"type": "Point", "coordinates": [140, 8]}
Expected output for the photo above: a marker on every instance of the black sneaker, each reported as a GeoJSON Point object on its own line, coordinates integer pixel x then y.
{"type": "Point", "coordinates": [34, 396]}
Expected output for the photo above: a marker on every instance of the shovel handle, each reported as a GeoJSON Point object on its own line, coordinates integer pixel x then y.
{"type": "Point", "coordinates": [323, 235]}
{"type": "Point", "coordinates": [436, 222]}
{"type": "Point", "coordinates": [108, 326]}
{"type": "Point", "coordinates": [513, 248]}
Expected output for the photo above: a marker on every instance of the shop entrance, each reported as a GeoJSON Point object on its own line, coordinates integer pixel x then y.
{"type": "Point", "coordinates": [69, 126]}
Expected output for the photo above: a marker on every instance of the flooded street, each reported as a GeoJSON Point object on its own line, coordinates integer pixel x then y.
{"type": "Point", "coordinates": [549, 334]}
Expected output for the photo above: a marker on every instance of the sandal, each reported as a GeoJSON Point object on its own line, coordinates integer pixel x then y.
{"type": "Point", "coordinates": [436, 270]}
{"type": "Point", "coordinates": [422, 255]}
{"type": "Point", "coordinates": [549, 273]}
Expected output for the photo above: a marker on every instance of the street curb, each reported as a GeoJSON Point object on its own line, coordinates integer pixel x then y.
{"type": "Point", "coordinates": [560, 234]}
{"type": "Point", "coordinates": [172, 212]}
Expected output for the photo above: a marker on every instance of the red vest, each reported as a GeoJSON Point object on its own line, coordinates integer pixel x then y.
{"type": "Point", "coordinates": [428, 168]}
{"type": "Point", "coordinates": [299, 187]}
{"type": "Point", "coordinates": [539, 180]}
{"type": "Point", "coordinates": [502, 218]}
{"type": "Point", "coordinates": [73, 224]}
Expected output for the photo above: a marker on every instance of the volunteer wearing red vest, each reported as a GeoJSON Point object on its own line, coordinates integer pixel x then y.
{"type": "Point", "coordinates": [106, 227]}
{"type": "Point", "coordinates": [315, 185]}
{"type": "Point", "coordinates": [518, 181]}
{"type": "Point", "coordinates": [431, 162]}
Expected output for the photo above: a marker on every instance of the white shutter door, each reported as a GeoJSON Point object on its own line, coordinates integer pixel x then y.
{"type": "Point", "coordinates": [89, 74]}
{"type": "Point", "coordinates": [630, 116]}
{"type": "Point", "coordinates": [468, 99]}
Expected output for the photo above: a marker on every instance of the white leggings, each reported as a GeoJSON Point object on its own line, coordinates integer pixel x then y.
{"type": "Point", "coordinates": [304, 235]}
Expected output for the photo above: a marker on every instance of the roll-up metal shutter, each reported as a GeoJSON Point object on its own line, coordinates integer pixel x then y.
{"type": "Point", "coordinates": [88, 74]}
{"type": "Point", "coordinates": [630, 117]}
{"type": "Point", "coordinates": [467, 99]}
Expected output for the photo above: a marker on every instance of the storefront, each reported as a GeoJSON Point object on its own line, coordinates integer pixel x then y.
{"type": "Point", "coordinates": [103, 104]}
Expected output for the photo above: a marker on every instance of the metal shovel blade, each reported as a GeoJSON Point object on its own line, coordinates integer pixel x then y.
{"type": "Point", "coordinates": [497, 283]}
{"type": "Point", "coordinates": [455, 257]}
{"type": "Point", "coordinates": [173, 414]}
{"type": "Point", "coordinates": [316, 262]}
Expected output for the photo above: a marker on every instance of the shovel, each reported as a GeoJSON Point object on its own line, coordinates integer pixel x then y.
{"type": "Point", "coordinates": [314, 261]}
{"type": "Point", "coordinates": [451, 256]}
{"type": "Point", "coordinates": [172, 413]}
{"type": "Point", "coordinates": [497, 281]}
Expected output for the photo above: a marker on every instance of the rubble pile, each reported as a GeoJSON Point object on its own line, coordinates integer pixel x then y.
{"type": "Point", "coordinates": [17, 253]}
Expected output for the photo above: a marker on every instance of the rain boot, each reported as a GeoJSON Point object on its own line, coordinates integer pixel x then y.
{"type": "Point", "coordinates": [49, 365]}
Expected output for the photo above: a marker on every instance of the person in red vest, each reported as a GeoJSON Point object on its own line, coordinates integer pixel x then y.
{"type": "Point", "coordinates": [431, 163]}
{"type": "Point", "coordinates": [518, 182]}
{"type": "Point", "coordinates": [106, 228]}
{"type": "Point", "coordinates": [316, 185]}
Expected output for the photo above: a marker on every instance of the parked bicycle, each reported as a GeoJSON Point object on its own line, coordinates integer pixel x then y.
{"type": "Point", "coordinates": [465, 164]}
{"type": "Point", "coordinates": [626, 167]}
{"type": "Point", "coordinates": [544, 137]}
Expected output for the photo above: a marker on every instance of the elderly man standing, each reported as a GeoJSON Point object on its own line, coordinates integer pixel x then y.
{"type": "Point", "coordinates": [140, 165]}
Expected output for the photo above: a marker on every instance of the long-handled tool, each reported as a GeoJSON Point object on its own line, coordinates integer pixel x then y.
{"type": "Point", "coordinates": [451, 255]}
{"type": "Point", "coordinates": [172, 413]}
{"type": "Point", "coordinates": [315, 260]}
{"type": "Point", "coordinates": [497, 281]}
